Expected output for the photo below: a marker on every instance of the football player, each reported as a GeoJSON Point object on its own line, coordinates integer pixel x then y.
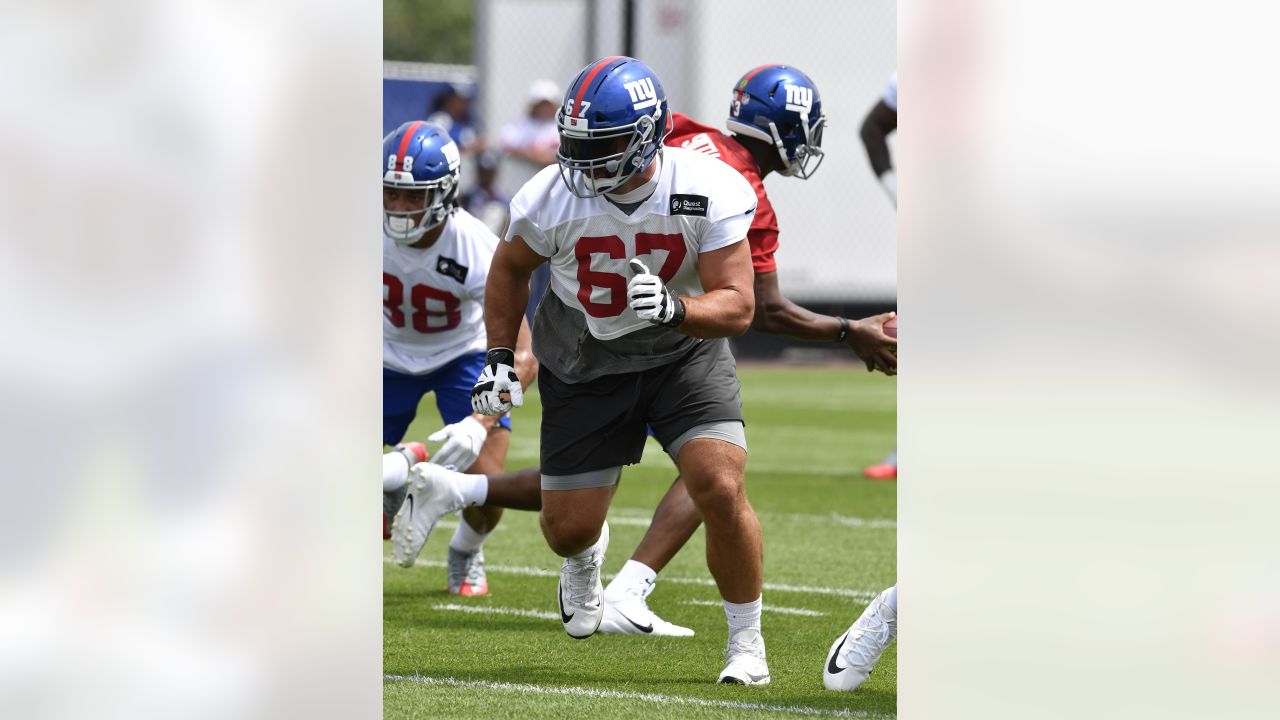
{"type": "Point", "coordinates": [879, 123]}
{"type": "Point", "coordinates": [435, 261]}
{"type": "Point", "coordinates": [877, 126]}
{"type": "Point", "coordinates": [649, 276]}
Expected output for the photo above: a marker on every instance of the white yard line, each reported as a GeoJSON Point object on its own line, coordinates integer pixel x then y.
{"type": "Point", "coordinates": [766, 607]}
{"type": "Point", "coordinates": [708, 582]}
{"type": "Point", "coordinates": [655, 698]}
{"type": "Point", "coordinates": [491, 610]}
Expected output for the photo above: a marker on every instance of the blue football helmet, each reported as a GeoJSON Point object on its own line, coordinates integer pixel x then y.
{"type": "Point", "coordinates": [612, 124]}
{"type": "Point", "coordinates": [419, 156]}
{"type": "Point", "coordinates": [780, 105]}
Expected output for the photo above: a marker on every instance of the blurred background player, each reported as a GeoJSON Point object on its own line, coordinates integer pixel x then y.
{"type": "Point", "coordinates": [435, 263]}
{"type": "Point", "coordinates": [877, 126]}
{"type": "Point", "coordinates": [485, 200]}
{"type": "Point", "coordinates": [619, 355]}
{"type": "Point", "coordinates": [879, 123]}
{"type": "Point", "coordinates": [452, 112]}
{"type": "Point", "coordinates": [530, 143]}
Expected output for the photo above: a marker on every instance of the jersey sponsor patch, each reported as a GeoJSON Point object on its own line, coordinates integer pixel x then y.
{"type": "Point", "coordinates": [452, 268]}
{"type": "Point", "coordinates": [689, 205]}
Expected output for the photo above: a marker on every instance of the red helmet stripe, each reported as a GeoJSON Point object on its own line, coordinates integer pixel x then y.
{"type": "Point", "coordinates": [404, 142]}
{"type": "Point", "coordinates": [591, 75]}
{"type": "Point", "coordinates": [742, 84]}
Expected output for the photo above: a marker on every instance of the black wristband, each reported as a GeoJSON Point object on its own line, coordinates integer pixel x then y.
{"type": "Point", "coordinates": [678, 316]}
{"type": "Point", "coordinates": [500, 355]}
{"type": "Point", "coordinates": [844, 329]}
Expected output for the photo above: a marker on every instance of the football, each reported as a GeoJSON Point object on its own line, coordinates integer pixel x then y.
{"type": "Point", "coordinates": [891, 327]}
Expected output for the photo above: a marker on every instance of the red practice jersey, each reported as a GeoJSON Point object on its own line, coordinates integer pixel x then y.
{"type": "Point", "coordinates": [763, 235]}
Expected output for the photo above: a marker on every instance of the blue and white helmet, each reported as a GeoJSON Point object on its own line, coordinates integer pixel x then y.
{"type": "Point", "coordinates": [612, 124]}
{"type": "Point", "coordinates": [780, 105]}
{"type": "Point", "coordinates": [420, 156]}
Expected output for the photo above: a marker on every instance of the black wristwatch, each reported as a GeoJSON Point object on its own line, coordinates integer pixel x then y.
{"type": "Point", "coordinates": [844, 330]}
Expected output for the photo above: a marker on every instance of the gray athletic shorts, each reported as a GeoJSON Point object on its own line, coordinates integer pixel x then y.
{"type": "Point", "coordinates": [601, 424]}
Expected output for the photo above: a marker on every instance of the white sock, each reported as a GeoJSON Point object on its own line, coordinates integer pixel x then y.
{"type": "Point", "coordinates": [465, 539]}
{"type": "Point", "coordinates": [474, 489]}
{"type": "Point", "coordinates": [632, 575]}
{"type": "Point", "coordinates": [743, 616]}
{"type": "Point", "coordinates": [891, 600]}
{"type": "Point", "coordinates": [395, 471]}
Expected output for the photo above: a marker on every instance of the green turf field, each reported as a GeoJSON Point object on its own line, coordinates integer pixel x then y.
{"type": "Point", "coordinates": [830, 546]}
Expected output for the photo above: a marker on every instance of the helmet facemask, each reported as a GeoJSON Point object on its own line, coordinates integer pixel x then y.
{"type": "Point", "coordinates": [438, 200]}
{"type": "Point", "coordinates": [807, 155]}
{"type": "Point", "coordinates": [585, 154]}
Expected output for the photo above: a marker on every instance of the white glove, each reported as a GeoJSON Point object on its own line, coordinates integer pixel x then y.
{"type": "Point", "coordinates": [497, 379]}
{"type": "Point", "coordinates": [651, 299]}
{"type": "Point", "coordinates": [889, 180]}
{"type": "Point", "coordinates": [462, 442]}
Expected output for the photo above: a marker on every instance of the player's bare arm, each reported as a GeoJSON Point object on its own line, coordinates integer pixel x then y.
{"type": "Point", "coordinates": [727, 306]}
{"type": "Point", "coordinates": [499, 388]}
{"type": "Point", "coordinates": [507, 291]}
{"type": "Point", "coordinates": [526, 363]}
{"type": "Point", "coordinates": [777, 314]}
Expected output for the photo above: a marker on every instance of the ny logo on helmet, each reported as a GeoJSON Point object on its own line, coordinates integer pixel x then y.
{"type": "Point", "coordinates": [643, 95]}
{"type": "Point", "coordinates": [799, 99]}
{"type": "Point", "coordinates": [451, 155]}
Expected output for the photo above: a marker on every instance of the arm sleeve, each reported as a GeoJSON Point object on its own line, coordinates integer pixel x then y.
{"type": "Point", "coordinates": [764, 243]}
{"type": "Point", "coordinates": [524, 226]}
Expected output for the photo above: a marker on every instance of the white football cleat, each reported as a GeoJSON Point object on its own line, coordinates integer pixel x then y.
{"type": "Point", "coordinates": [580, 595]}
{"type": "Point", "coordinates": [854, 654]}
{"type": "Point", "coordinates": [744, 662]}
{"type": "Point", "coordinates": [432, 495]}
{"type": "Point", "coordinates": [627, 613]}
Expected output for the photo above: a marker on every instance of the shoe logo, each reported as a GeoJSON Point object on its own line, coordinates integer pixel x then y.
{"type": "Point", "coordinates": [832, 667]}
{"type": "Point", "coordinates": [637, 625]}
{"type": "Point", "coordinates": [564, 617]}
{"type": "Point", "coordinates": [410, 498]}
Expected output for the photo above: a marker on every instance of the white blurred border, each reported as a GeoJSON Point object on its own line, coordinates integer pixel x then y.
{"type": "Point", "coordinates": [1088, 398]}
{"type": "Point", "coordinates": [188, 371]}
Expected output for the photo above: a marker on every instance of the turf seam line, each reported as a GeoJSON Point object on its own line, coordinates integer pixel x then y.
{"type": "Point", "coordinates": [628, 695]}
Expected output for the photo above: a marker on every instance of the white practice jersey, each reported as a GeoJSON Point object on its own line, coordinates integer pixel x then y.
{"type": "Point", "coordinates": [433, 299]}
{"type": "Point", "coordinates": [699, 204]}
